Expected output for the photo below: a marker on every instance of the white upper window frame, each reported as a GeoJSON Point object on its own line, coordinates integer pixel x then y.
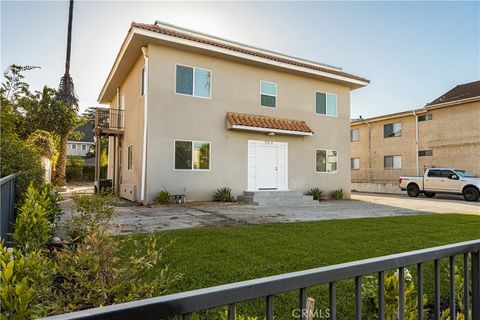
{"type": "Point", "coordinates": [326, 105]}
{"type": "Point", "coordinates": [194, 170]}
{"type": "Point", "coordinates": [266, 94]}
{"type": "Point", "coordinates": [352, 161]}
{"type": "Point", "coordinates": [351, 134]}
{"type": "Point", "coordinates": [73, 146]}
{"type": "Point", "coordinates": [193, 82]}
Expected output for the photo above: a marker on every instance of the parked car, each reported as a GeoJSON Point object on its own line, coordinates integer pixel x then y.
{"type": "Point", "coordinates": [443, 180]}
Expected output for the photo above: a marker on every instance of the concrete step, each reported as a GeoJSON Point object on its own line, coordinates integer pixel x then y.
{"type": "Point", "coordinates": [276, 198]}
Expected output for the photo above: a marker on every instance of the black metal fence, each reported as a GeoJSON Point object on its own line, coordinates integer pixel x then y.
{"type": "Point", "coordinates": [109, 119]}
{"type": "Point", "coordinates": [186, 303]}
{"type": "Point", "coordinates": [7, 206]}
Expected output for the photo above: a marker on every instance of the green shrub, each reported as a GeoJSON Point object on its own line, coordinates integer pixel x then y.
{"type": "Point", "coordinates": [370, 291]}
{"type": "Point", "coordinates": [223, 195]}
{"type": "Point", "coordinates": [75, 161]}
{"type": "Point", "coordinates": [26, 281]}
{"type": "Point", "coordinates": [337, 194]}
{"type": "Point", "coordinates": [317, 194]}
{"type": "Point", "coordinates": [163, 197]}
{"type": "Point", "coordinates": [18, 156]}
{"type": "Point", "coordinates": [98, 271]}
{"type": "Point", "coordinates": [33, 230]}
{"type": "Point", "coordinates": [90, 211]}
{"type": "Point", "coordinates": [50, 198]}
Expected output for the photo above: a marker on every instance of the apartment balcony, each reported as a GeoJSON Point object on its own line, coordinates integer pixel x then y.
{"type": "Point", "coordinates": [109, 122]}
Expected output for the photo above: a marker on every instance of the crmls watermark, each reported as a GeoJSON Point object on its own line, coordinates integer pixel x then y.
{"type": "Point", "coordinates": [309, 314]}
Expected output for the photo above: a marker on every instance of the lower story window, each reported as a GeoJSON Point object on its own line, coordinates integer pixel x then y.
{"type": "Point", "coordinates": [392, 162]}
{"type": "Point", "coordinates": [130, 157]}
{"type": "Point", "coordinates": [355, 163]}
{"type": "Point", "coordinates": [326, 161]}
{"type": "Point", "coordinates": [192, 155]}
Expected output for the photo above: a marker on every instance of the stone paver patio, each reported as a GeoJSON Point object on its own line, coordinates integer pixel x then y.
{"type": "Point", "coordinates": [144, 219]}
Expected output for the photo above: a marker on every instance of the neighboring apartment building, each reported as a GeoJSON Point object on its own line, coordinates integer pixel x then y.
{"type": "Point", "coordinates": [201, 113]}
{"type": "Point", "coordinates": [445, 133]}
{"type": "Point", "coordinates": [85, 144]}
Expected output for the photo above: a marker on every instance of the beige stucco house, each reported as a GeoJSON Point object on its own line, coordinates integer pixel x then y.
{"type": "Point", "coordinates": [190, 113]}
{"type": "Point", "coordinates": [444, 133]}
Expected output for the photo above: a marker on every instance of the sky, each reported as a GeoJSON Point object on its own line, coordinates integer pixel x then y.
{"type": "Point", "coordinates": [412, 52]}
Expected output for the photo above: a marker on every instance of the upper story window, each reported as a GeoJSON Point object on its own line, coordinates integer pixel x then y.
{"type": "Point", "coordinates": [268, 94]}
{"type": "Point", "coordinates": [73, 146]}
{"type": "Point", "coordinates": [326, 161]}
{"type": "Point", "coordinates": [355, 163]}
{"type": "Point", "coordinates": [392, 130]}
{"type": "Point", "coordinates": [354, 135]}
{"type": "Point", "coordinates": [84, 147]}
{"type": "Point", "coordinates": [425, 117]}
{"type": "Point", "coordinates": [193, 81]}
{"type": "Point", "coordinates": [326, 103]}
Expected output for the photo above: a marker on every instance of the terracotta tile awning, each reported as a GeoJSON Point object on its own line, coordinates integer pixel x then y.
{"type": "Point", "coordinates": [253, 122]}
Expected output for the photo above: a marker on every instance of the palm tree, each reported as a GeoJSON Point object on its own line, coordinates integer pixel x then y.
{"type": "Point", "coordinates": [66, 94]}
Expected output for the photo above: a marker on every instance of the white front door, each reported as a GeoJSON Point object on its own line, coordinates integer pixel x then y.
{"type": "Point", "coordinates": [267, 165]}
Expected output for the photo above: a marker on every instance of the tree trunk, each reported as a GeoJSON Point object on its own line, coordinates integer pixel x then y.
{"type": "Point", "coordinates": [59, 179]}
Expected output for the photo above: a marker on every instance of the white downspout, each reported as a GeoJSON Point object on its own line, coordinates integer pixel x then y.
{"type": "Point", "coordinates": [145, 122]}
{"type": "Point", "coordinates": [416, 142]}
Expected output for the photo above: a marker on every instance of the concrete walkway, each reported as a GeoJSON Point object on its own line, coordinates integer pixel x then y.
{"type": "Point", "coordinates": [142, 219]}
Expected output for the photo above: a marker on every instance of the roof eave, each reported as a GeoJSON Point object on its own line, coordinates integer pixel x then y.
{"type": "Point", "coordinates": [451, 103]}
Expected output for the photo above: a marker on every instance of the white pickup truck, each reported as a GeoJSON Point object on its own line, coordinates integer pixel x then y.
{"type": "Point", "coordinates": [442, 180]}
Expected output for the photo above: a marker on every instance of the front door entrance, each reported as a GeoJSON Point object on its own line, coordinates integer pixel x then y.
{"type": "Point", "coordinates": [267, 165]}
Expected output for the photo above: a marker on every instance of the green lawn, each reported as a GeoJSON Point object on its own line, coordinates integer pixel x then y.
{"type": "Point", "coordinates": [212, 256]}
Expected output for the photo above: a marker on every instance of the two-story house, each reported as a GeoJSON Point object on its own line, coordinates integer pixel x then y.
{"type": "Point", "coordinates": [190, 113]}
{"type": "Point", "coordinates": [444, 133]}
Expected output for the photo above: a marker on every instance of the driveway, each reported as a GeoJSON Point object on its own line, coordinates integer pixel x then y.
{"type": "Point", "coordinates": [141, 219]}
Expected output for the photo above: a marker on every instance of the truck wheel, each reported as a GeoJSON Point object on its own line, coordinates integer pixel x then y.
{"type": "Point", "coordinates": [471, 194]}
{"type": "Point", "coordinates": [413, 191]}
{"type": "Point", "coordinates": [430, 194]}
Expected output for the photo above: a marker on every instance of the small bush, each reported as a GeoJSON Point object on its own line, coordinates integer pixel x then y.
{"type": "Point", "coordinates": [317, 194]}
{"type": "Point", "coordinates": [33, 230]}
{"type": "Point", "coordinates": [337, 194]}
{"type": "Point", "coordinates": [75, 161]}
{"type": "Point", "coordinates": [163, 197]}
{"type": "Point", "coordinates": [223, 195]}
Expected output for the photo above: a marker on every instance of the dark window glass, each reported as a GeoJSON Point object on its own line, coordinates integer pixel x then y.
{"type": "Point", "coordinates": [321, 161]}
{"type": "Point", "coordinates": [143, 81]}
{"type": "Point", "coordinates": [130, 158]}
{"type": "Point", "coordinates": [268, 101]}
{"type": "Point", "coordinates": [446, 174]}
{"type": "Point", "coordinates": [184, 81]}
{"type": "Point", "coordinates": [425, 117]}
{"type": "Point", "coordinates": [321, 103]}
{"type": "Point", "coordinates": [425, 153]}
{"type": "Point", "coordinates": [433, 173]}
{"type": "Point", "coordinates": [183, 155]}
{"type": "Point", "coordinates": [388, 162]}
{"type": "Point", "coordinates": [392, 130]}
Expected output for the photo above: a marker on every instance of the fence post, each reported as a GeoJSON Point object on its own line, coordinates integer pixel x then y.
{"type": "Point", "coordinates": [476, 285]}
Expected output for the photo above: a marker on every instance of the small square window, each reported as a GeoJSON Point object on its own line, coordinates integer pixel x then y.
{"type": "Point", "coordinates": [354, 135]}
{"type": "Point", "coordinates": [355, 163]}
{"type": "Point", "coordinates": [426, 117]}
{"type": "Point", "coordinates": [326, 103]}
{"type": "Point", "coordinates": [84, 147]}
{"type": "Point", "coordinates": [392, 162]}
{"type": "Point", "coordinates": [73, 146]}
{"type": "Point", "coordinates": [268, 94]}
{"type": "Point", "coordinates": [392, 130]}
{"type": "Point", "coordinates": [326, 161]}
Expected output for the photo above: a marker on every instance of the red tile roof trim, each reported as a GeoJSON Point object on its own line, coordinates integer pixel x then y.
{"type": "Point", "coordinates": [181, 35]}
{"type": "Point", "coordinates": [256, 121]}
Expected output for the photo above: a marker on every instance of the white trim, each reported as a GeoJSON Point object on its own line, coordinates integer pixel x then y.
{"type": "Point", "coordinates": [193, 82]}
{"type": "Point", "coordinates": [193, 141]}
{"type": "Point", "coordinates": [326, 162]}
{"type": "Point", "coordinates": [280, 131]}
{"type": "Point", "coordinates": [252, 185]}
{"type": "Point", "coordinates": [145, 128]}
{"type": "Point", "coordinates": [326, 105]}
{"type": "Point", "coordinates": [250, 57]}
{"type": "Point", "coordinates": [451, 103]}
{"type": "Point", "coordinates": [269, 95]}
